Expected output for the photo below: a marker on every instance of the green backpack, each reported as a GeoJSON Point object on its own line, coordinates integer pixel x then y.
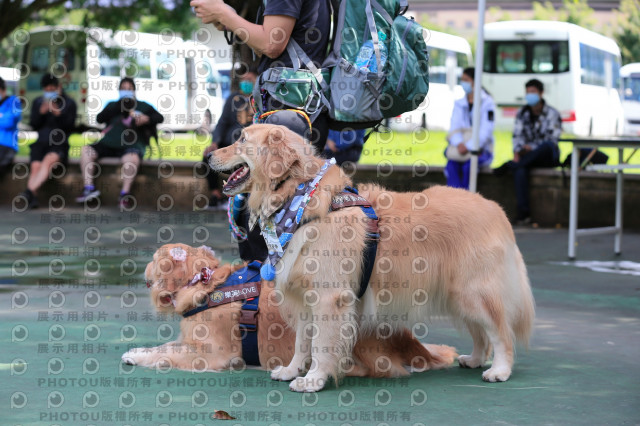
{"type": "Point", "coordinates": [354, 97]}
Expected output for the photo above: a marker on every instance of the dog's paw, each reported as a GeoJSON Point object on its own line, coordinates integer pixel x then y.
{"type": "Point", "coordinates": [466, 361]}
{"type": "Point", "coordinates": [307, 384]}
{"type": "Point", "coordinates": [130, 358]}
{"type": "Point", "coordinates": [284, 374]}
{"type": "Point", "coordinates": [496, 374]}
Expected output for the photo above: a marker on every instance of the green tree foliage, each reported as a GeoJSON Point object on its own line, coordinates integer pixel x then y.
{"type": "Point", "coordinates": [573, 11]}
{"type": "Point", "coordinates": [143, 15]}
{"type": "Point", "coordinates": [628, 32]}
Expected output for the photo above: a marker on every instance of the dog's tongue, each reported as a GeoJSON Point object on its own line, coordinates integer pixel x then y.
{"type": "Point", "coordinates": [237, 177]}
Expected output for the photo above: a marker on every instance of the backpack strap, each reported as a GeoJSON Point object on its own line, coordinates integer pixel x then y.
{"type": "Point", "coordinates": [297, 54]}
{"type": "Point", "coordinates": [374, 35]}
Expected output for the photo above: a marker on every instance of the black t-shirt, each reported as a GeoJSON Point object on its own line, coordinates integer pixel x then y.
{"type": "Point", "coordinates": [311, 30]}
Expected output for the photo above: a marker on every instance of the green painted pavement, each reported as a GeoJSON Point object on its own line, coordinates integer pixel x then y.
{"type": "Point", "coordinates": [68, 317]}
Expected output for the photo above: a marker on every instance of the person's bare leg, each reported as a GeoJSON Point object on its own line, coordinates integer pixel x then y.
{"type": "Point", "coordinates": [130, 163]}
{"type": "Point", "coordinates": [87, 163]}
{"type": "Point", "coordinates": [40, 176]}
{"type": "Point", "coordinates": [34, 170]}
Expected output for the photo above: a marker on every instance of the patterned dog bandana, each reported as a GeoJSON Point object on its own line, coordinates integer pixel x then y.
{"type": "Point", "coordinates": [278, 229]}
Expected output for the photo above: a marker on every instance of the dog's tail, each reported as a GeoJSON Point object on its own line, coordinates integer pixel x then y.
{"type": "Point", "coordinates": [422, 357]}
{"type": "Point", "coordinates": [523, 322]}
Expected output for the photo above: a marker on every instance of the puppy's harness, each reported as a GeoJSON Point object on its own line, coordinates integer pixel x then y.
{"type": "Point", "coordinates": [243, 285]}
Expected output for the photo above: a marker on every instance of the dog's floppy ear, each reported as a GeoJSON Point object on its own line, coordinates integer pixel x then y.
{"type": "Point", "coordinates": [280, 156]}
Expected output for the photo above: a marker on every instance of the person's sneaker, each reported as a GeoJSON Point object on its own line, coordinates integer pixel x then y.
{"type": "Point", "coordinates": [87, 195]}
{"type": "Point", "coordinates": [126, 202]}
{"type": "Point", "coordinates": [32, 201]}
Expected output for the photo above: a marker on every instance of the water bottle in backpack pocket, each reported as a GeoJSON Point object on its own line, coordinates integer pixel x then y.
{"type": "Point", "coordinates": [366, 59]}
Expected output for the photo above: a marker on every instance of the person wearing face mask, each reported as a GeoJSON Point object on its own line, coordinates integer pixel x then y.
{"type": "Point", "coordinates": [236, 115]}
{"type": "Point", "coordinates": [458, 152]}
{"type": "Point", "coordinates": [536, 132]}
{"type": "Point", "coordinates": [53, 116]}
{"type": "Point", "coordinates": [130, 123]}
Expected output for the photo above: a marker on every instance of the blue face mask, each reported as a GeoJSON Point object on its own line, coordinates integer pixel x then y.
{"type": "Point", "coordinates": [532, 98]}
{"type": "Point", "coordinates": [246, 87]}
{"type": "Point", "coordinates": [466, 86]}
{"type": "Point", "coordinates": [50, 95]}
{"type": "Point", "coordinates": [126, 94]}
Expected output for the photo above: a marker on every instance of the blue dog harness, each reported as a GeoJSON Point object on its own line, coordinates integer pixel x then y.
{"type": "Point", "coordinates": [242, 285]}
{"type": "Point", "coordinates": [349, 197]}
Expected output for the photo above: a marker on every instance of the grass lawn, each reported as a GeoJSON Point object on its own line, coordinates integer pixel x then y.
{"type": "Point", "coordinates": [394, 147]}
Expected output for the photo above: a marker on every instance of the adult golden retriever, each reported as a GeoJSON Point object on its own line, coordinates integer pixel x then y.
{"type": "Point", "coordinates": [442, 251]}
{"type": "Point", "coordinates": [211, 339]}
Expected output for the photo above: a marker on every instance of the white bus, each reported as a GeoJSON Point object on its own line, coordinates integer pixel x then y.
{"type": "Point", "coordinates": [580, 70]}
{"type": "Point", "coordinates": [630, 75]}
{"type": "Point", "coordinates": [179, 78]}
{"type": "Point", "coordinates": [448, 56]}
{"type": "Point", "coordinates": [11, 77]}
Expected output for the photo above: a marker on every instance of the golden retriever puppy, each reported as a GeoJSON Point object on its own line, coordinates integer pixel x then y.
{"type": "Point", "coordinates": [211, 339]}
{"type": "Point", "coordinates": [442, 251]}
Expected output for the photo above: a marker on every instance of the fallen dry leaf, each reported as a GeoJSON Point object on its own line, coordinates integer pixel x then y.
{"type": "Point", "coordinates": [221, 415]}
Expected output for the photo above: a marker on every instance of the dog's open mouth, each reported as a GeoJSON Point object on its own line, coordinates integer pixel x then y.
{"type": "Point", "coordinates": [236, 180]}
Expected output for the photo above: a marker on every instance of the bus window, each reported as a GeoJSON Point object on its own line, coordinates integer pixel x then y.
{"type": "Point", "coordinates": [166, 67]}
{"type": "Point", "coordinates": [137, 63]}
{"type": "Point", "coordinates": [563, 57]}
{"type": "Point", "coordinates": [631, 87]}
{"type": "Point", "coordinates": [40, 59]}
{"type": "Point", "coordinates": [510, 58]}
{"type": "Point", "coordinates": [437, 65]}
{"type": "Point", "coordinates": [615, 71]}
{"type": "Point", "coordinates": [64, 60]}
{"type": "Point", "coordinates": [462, 60]}
{"type": "Point", "coordinates": [542, 60]}
{"type": "Point", "coordinates": [592, 65]}
{"type": "Point", "coordinates": [109, 64]}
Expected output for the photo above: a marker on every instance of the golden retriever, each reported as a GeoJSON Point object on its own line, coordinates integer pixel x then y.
{"type": "Point", "coordinates": [442, 251]}
{"type": "Point", "coordinates": [211, 339]}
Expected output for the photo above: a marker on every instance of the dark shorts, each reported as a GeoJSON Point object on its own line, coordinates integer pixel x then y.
{"type": "Point", "coordinates": [6, 156]}
{"type": "Point", "coordinates": [107, 151]}
{"type": "Point", "coordinates": [40, 150]}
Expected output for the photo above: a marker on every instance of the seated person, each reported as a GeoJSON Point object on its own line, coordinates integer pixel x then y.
{"type": "Point", "coordinates": [345, 145]}
{"type": "Point", "coordinates": [130, 124]}
{"type": "Point", "coordinates": [536, 132]}
{"type": "Point", "coordinates": [236, 114]}
{"type": "Point", "coordinates": [53, 116]}
{"type": "Point", "coordinates": [460, 138]}
{"type": "Point", "coordinates": [10, 114]}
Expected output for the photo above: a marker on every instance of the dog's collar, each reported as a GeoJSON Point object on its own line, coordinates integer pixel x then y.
{"type": "Point", "coordinates": [240, 285]}
{"type": "Point", "coordinates": [204, 276]}
{"type": "Point", "coordinates": [279, 185]}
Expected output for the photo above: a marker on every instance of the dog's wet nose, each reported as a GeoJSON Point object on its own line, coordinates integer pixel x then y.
{"type": "Point", "coordinates": [208, 156]}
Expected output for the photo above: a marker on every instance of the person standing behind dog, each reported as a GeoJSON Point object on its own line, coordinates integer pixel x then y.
{"type": "Point", "coordinates": [53, 116]}
{"type": "Point", "coordinates": [536, 132]}
{"type": "Point", "coordinates": [10, 114]}
{"type": "Point", "coordinates": [306, 21]}
{"type": "Point", "coordinates": [458, 152]}
{"type": "Point", "coordinates": [345, 145]}
{"type": "Point", "coordinates": [130, 125]}
{"type": "Point", "coordinates": [236, 115]}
